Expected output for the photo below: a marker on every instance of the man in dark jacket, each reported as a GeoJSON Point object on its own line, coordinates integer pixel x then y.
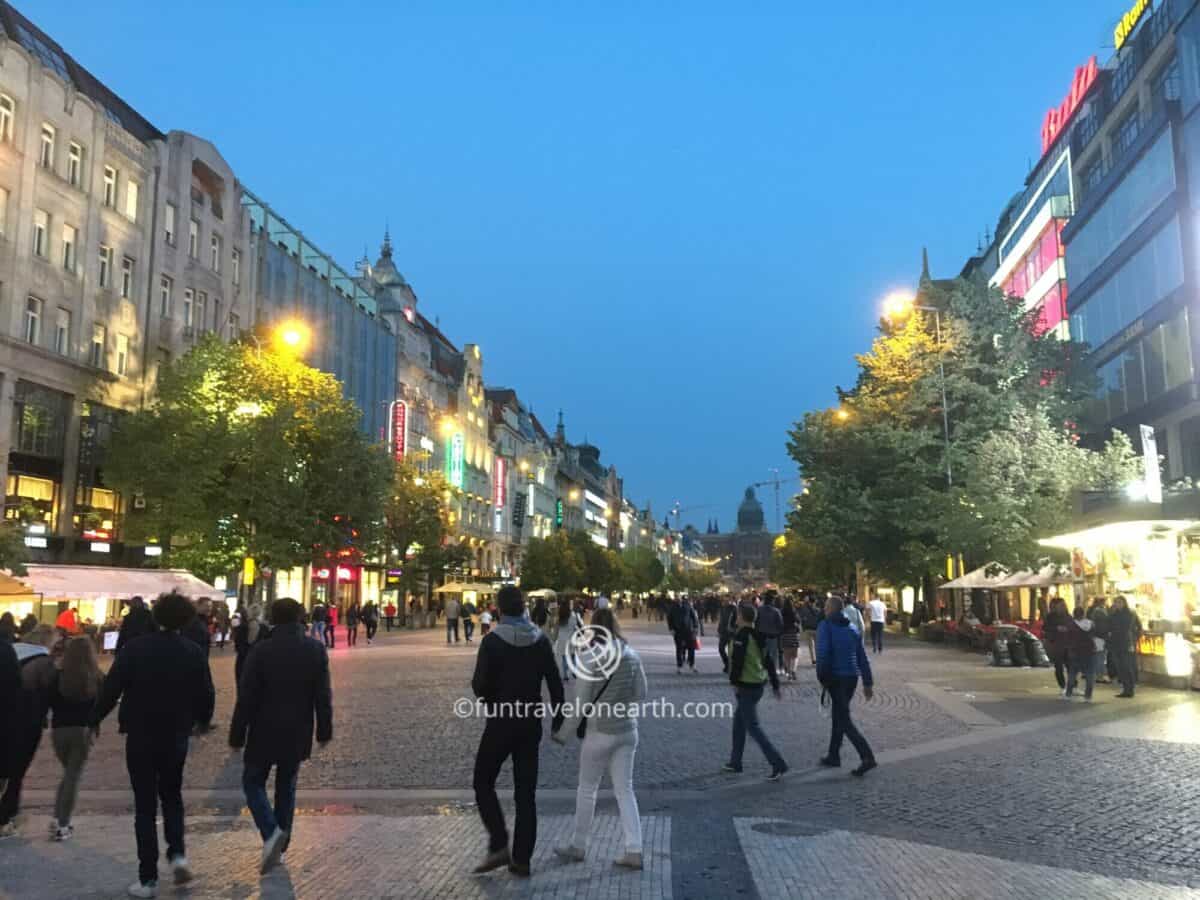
{"type": "Point", "coordinates": [769, 624]}
{"type": "Point", "coordinates": [726, 629]}
{"type": "Point", "coordinates": [750, 668]}
{"type": "Point", "coordinates": [197, 630]}
{"type": "Point", "coordinates": [810, 620]}
{"type": "Point", "coordinates": [841, 659]}
{"type": "Point", "coordinates": [1123, 633]}
{"type": "Point", "coordinates": [27, 718]}
{"type": "Point", "coordinates": [514, 659]}
{"type": "Point", "coordinates": [1098, 614]}
{"type": "Point", "coordinates": [683, 623]}
{"type": "Point", "coordinates": [284, 686]}
{"type": "Point", "coordinates": [165, 689]}
{"type": "Point", "coordinates": [10, 699]}
{"type": "Point", "coordinates": [137, 621]}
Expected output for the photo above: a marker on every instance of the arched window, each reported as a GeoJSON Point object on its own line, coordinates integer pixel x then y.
{"type": "Point", "coordinates": [7, 114]}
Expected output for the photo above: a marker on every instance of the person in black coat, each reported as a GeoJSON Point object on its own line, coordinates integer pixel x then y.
{"type": "Point", "coordinates": [197, 630]}
{"type": "Point", "coordinates": [163, 683]}
{"type": "Point", "coordinates": [284, 687]}
{"type": "Point", "coordinates": [138, 621]}
{"type": "Point", "coordinates": [248, 632]}
{"type": "Point", "coordinates": [10, 698]}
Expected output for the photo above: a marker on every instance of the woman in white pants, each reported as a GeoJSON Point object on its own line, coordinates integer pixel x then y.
{"type": "Point", "coordinates": [611, 739]}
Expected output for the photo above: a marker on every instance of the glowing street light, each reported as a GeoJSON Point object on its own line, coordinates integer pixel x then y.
{"type": "Point", "coordinates": [842, 414]}
{"type": "Point", "coordinates": [899, 304]}
{"type": "Point", "coordinates": [293, 336]}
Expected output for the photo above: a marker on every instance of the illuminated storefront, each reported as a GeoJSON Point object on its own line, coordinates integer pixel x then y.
{"type": "Point", "coordinates": [1155, 564]}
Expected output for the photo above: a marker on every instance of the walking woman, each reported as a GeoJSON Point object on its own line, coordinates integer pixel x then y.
{"type": "Point", "coordinates": [789, 641]}
{"type": "Point", "coordinates": [568, 623]}
{"type": "Point", "coordinates": [73, 693]}
{"type": "Point", "coordinates": [352, 618]}
{"type": "Point", "coordinates": [610, 739]}
{"type": "Point", "coordinates": [331, 626]}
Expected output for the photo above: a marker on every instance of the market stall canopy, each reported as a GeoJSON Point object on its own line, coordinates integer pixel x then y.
{"type": "Point", "coordinates": [11, 587]}
{"type": "Point", "coordinates": [1116, 533]}
{"type": "Point", "coordinates": [1043, 577]}
{"type": "Point", "coordinates": [979, 578]}
{"type": "Point", "coordinates": [107, 582]}
{"type": "Point", "coordinates": [542, 592]}
{"type": "Point", "coordinates": [457, 587]}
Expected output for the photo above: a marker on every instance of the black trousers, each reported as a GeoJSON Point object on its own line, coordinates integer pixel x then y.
{"type": "Point", "coordinates": [1126, 667]}
{"type": "Point", "coordinates": [841, 691]}
{"type": "Point", "coordinates": [10, 801]}
{"type": "Point", "coordinates": [877, 637]}
{"type": "Point", "coordinates": [520, 740]}
{"type": "Point", "coordinates": [685, 648]}
{"type": "Point", "coordinates": [722, 640]}
{"type": "Point", "coordinates": [330, 636]}
{"type": "Point", "coordinates": [155, 765]}
{"type": "Point", "coordinates": [1060, 669]}
{"type": "Point", "coordinates": [372, 627]}
{"type": "Point", "coordinates": [389, 622]}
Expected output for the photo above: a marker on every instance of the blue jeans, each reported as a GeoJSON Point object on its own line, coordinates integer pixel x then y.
{"type": "Point", "coordinates": [254, 784]}
{"type": "Point", "coordinates": [745, 721]}
{"type": "Point", "coordinates": [1085, 667]}
{"type": "Point", "coordinates": [318, 631]}
{"type": "Point", "coordinates": [468, 627]}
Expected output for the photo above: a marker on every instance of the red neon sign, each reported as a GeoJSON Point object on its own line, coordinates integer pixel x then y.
{"type": "Point", "coordinates": [399, 429]}
{"type": "Point", "coordinates": [1057, 119]}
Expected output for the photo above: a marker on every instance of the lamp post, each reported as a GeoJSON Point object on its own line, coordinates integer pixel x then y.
{"type": "Point", "coordinates": [900, 304]}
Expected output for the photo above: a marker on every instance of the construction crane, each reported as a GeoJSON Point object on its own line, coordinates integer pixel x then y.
{"type": "Point", "coordinates": [677, 510]}
{"type": "Point", "coordinates": [776, 482]}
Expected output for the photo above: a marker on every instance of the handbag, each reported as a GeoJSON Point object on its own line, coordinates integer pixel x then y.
{"type": "Point", "coordinates": [581, 729]}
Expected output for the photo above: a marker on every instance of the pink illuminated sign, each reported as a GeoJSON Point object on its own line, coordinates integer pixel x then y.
{"type": "Point", "coordinates": [1058, 119]}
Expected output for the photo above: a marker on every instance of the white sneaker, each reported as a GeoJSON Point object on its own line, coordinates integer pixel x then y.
{"type": "Point", "coordinates": [137, 889]}
{"type": "Point", "coordinates": [272, 850]}
{"type": "Point", "coordinates": [8, 829]}
{"type": "Point", "coordinates": [53, 828]}
{"type": "Point", "coordinates": [183, 871]}
{"type": "Point", "coordinates": [64, 832]}
{"type": "Point", "coordinates": [629, 860]}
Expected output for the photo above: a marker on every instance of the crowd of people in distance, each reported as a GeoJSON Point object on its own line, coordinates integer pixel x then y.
{"type": "Point", "coordinates": [1096, 643]}
{"type": "Point", "coordinates": [160, 678]}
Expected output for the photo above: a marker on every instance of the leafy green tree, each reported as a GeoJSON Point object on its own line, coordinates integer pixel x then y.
{"type": "Point", "coordinates": [644, 570]}
{"type": "Point", "coordinates": [876, 486]}
{"type": "Point", "coordinates": [799, 562]}
{"type": "Point", "coordinates": [13, 552]}
{"type": "Point", "coordinates": [550, 562]}
{"type": "Point", "coordinates": [248, 453]}
{"type": "Point", "coordinates": [414, 522]}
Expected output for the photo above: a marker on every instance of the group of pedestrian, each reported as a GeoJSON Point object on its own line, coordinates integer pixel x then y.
{"type": "Point", "coordinates": [1096, 643]}
{"type": "Point", "coordinates": [325, 618]}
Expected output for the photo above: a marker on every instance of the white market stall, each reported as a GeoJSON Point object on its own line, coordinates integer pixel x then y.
{"type": "Point", "coordinates": [97, 591]}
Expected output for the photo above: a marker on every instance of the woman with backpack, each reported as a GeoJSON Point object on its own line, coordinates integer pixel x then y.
{"type": "Point", "coordinates": [73, 694]}
{"type": "Point", "coordinates": [568, 623]}
{"type": "Point", "coordinates": [610, 739]}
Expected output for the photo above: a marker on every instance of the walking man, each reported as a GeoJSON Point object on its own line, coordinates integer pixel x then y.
{"type": "Point", "coordinates": [468, 621]}
{"type": "Point", "coordinates": [750, 668]}
{"type": "Point", "coordinates": [284, 688]}
{"type": "Point", "coordinates": [878, 613]}
{"type": "Point", "coordinates": [810, 619]}
{"type": "Point", "coordinates": [726, 629]}
{"type": "Point", "coordinates": [514, 659]}
{"type": "Point", "coordinates": [26, 719]}
{"type": "Point", "coordinates": [683, 623]}
{"type": "Point", "coordinates": [320, 615]}
{"type": "Point", "coordinates": [841, 660]}
{"type": "Point", "coordinates": [389, 614]}
{"type": "Point", "coordinates": [769, 624]}
{"type": "Point", "coordinates": [1123, 632]}
{"type": "Point", "coordinates": [453, 609]}
{"type": "Point", "coordinates": [165, 689]}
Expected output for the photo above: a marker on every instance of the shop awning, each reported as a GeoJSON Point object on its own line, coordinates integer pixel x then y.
{"type": "Point", "coordinates": [542, 592]}
{"type": "Point", "coordinates": [109, 582]}
{"type": "Point", "coordinates": [457, 587]}
{"type": "Point", "coordinates": [979, 578]}
{"type": "Point", "coordinates": [11, 587]}
{"type": "Point", "coordinates": [1043, 577]}
{"type": "Point", "coordinates": [1116, 533]}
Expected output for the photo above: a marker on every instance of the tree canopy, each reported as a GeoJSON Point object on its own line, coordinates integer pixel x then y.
{"type": "Point", "coordinates": [248, 453]}
{"type": "Point", "coordinates": [875, 469]}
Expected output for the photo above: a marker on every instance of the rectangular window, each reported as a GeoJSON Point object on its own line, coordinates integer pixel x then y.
{"type": "Point", "coordinates": [70, 240]}
{"type": "Point", "coordinates": [97, 352]}
{"type": "Point", "coordinates": [188, 307]}
{"type": "Point", "coordinates": [236, 267]}
{"type": "Point", "coordinates": [46, 149]}
{"type": "Point", "coordinates": [1177, 350]}
{"type": "Point", "coordinates": [33, 320]}
{"type": "Point", "coordinates": [62, 332]}
{"type": "Point", "coordinates": [3, 211]}
{"type": "Point", "coordinates": [235, 327]}
{"type": "Point", "coordinates": [1155, 367]}
{"type": "Point", "coordinates": [201, 310]}
{"type": "Point", "coordinates": [131, 199]}
{"type": "Point", "coordinates": [1135, 382]}
{"type": "Point", "coordinates": [110, 186]}
{"type": "Point", "coordinates": [169, 224]}
{"type": "Point", "coordinates": [122, 354]}
{"type": "Point", "coordinates": [41, 230]}
{"type": "Point", "coordinates": [214, 258]}
{"type": "Point", "coordinates": [74, 164]}
{"type": "Point", "coordinates": [106, 258]}
{"type": "Point", "coordinates": [1127, 133]}
{"type": "Point", "coordinates": [193, 239]}
{"type": "Point", "coordinates": [126, 278]}
{"type": "Point", "coordinates": [165, 287]}
{"type": "Point", "coordinates": [7, 110]}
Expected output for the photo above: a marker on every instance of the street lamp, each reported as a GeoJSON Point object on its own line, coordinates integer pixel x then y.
{"type": "Point", "coordinates": [899, 304]}
{"type": "Point", "coordinates": [842, 414]}
{"type": "Point", "coordinates": [292, 336]}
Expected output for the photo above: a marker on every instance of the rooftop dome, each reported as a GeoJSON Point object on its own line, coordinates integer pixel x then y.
{"type": "Point", "coordinates": [750, 513]}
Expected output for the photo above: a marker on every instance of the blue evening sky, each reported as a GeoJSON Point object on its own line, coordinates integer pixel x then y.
{"type": "Point", "coordinates": [673, 221]}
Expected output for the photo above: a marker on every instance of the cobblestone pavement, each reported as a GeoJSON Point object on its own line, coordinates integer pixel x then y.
{"type": "Point", "coordinates": [989, 785]}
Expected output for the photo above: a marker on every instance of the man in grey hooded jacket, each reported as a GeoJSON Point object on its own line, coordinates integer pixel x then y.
{"type": "Point", "coordinates": [514, 659]}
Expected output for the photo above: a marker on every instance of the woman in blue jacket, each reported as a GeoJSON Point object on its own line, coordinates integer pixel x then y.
{"type": "Point", "coordinates": [841, 659]}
